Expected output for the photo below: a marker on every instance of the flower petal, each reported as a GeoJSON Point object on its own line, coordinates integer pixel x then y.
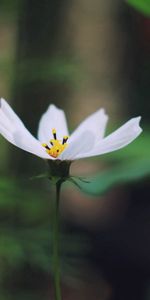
{"type": "Point", "coordinates": [82, 144]}
{"type": "Point", "coordinates": [117, 140]}
{"type": "Point", "coordinates": [83, 139]}
{"type": "Point", "coordinates": [9, 113]}
{"type": "Point", "coordinates": [12, 128]}
{"type": "Point", "coordinates": [52, 118]}
{"type": "Point", "coordinates": [96, 123]}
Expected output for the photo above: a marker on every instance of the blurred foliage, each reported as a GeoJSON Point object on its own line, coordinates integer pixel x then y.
{"type": "Point", "coordinates": [9, 9]}
{"type": "Point", "coordinates": [21, 211]}
{"type": "Point", "coordinates": [26, 235]}
{"type": "Point", "coordinates": [56, 68]}
{"type": "Point", "coordinates": [126, 173]}
{"type": "Point", "coordinates": [141, 5]}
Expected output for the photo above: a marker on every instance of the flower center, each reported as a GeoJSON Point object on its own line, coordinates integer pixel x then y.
{"type": "Point", "coordinates": [57, 146]}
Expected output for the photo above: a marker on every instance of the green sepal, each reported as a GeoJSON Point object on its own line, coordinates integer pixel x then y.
{"type": "Point", "coordinates": [40, 176]}
{"type": "Point", "coordinates": [58, 170]}
{"type": "Point", "coordinates": [75, 179]}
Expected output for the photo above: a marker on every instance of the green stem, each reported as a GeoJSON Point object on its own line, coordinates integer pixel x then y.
{"type": "Point", "coordinates": [56, 262]}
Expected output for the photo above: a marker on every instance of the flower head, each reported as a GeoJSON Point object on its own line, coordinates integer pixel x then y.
{"type": "Point", "coordinates": [53, 141]}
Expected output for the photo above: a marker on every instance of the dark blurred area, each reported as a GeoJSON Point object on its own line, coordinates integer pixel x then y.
{"type": "Point", "coordinates": [79, 55]}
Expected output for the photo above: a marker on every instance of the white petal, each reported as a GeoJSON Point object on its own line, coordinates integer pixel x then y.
{"type": "Point", "coordinates": [29, 143]}
{"type": "Point", "coordinates": [12, 128]}
{"type": "Point", "coordinates": [5, 133]}
{"type": "Point", "coordinates": [83, 139]}
{"type": "Point", "coordinates": [96, 123]}
{"type": "Point", "coordinates": [9, 113]}
{"type": "Point", "coordinates": [118, 139]}
{"type": "Point", "coordinates": [52, 118]}
{"type": "Point", "coordinates": [83, 143]}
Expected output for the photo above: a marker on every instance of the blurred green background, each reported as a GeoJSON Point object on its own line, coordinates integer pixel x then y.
{"type": "Point", "coordinates": [79, 55]}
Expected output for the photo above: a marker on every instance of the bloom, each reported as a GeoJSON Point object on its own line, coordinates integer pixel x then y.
{"type": "Point", "coordinates": [53, 140]}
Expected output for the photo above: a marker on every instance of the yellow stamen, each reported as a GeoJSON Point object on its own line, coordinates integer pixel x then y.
{"type": "Point", "coordinates": [65, 138]}
{"type": "Point", "coordinates": [46, 146]}
{"type": "Point", "coordinates": [54, 133]}
{"type": "Point", "coordinates": [58, 146]}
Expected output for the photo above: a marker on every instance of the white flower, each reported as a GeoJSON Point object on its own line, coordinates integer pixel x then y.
{"type": "Point", "coordinates": [53, 138]}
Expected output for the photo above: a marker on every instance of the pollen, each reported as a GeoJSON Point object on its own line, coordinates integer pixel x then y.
{"type": "Point", "coordinates": [56, 146]}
